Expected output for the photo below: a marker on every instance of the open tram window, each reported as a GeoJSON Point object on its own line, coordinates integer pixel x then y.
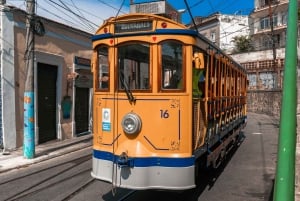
{"type": "Point", "coordinates": [172, 65]}
{"type": "Point", "coordinates": [199, 73]}
{"type": "Point", "coordinates": [133, 66]}
{"type": "Point", "coordinates": [103, 68]}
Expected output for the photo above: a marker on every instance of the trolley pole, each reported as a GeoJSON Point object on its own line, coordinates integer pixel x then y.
{"type": "Point", "coordinates": [29, 129]}
{"type": "Point", "coordinates": [285, 172]}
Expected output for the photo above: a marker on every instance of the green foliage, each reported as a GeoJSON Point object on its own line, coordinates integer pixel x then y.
{"type": "Point", "coordinates": [242, 44]}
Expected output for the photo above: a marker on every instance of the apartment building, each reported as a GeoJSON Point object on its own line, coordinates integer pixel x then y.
{"type": "Point", "coordinates": [268, 34]}
{"type": "Point", "coordinates": [222, 28]}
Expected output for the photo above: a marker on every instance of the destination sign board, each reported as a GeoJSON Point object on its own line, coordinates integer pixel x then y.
{"type": "Point", "coordinates": [133, 26]}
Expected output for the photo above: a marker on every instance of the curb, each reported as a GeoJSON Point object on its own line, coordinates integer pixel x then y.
{"type": "Point", "coordinates": [16, 160]}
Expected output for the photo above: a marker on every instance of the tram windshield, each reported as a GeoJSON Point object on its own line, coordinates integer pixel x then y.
{"type": "Point", "coordinates": [133, 66]}
{"type": "Point", "coordinates": [172, 74]}
{"type": "Point", "coordinates": [103, 68]}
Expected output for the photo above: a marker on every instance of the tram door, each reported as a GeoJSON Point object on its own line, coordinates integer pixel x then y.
{"type": "Point", "coordinates": [46, 78]}
{"type": "Point", "coordinates": [82, 110]}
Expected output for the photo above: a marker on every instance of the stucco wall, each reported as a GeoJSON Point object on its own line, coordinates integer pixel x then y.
{"type": "Point", "coordinates": [57, 47]}
{"type": "Point", "coordinates": [263, 101]}
{"type": "Point", "coordinates": [7, 109]}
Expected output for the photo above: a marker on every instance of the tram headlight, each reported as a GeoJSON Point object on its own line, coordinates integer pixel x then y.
{"type": "Point", "coordinates": [131, 123]}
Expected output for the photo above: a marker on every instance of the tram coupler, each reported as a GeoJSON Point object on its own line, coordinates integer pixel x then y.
{"type": "Point", "coordinates": [124, 161]}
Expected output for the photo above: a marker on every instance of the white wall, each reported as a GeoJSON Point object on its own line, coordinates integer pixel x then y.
{"type": "Point", "coordinates": [8, 113]}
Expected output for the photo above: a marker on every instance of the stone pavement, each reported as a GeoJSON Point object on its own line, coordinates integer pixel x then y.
{"type": "Point", "coordinates": [15, 159]}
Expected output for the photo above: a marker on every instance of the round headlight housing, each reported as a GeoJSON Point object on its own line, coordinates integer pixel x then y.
{"type": "Point", "coordinates": [131, 123]}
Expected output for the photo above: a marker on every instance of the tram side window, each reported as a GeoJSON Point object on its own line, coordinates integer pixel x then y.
{"type": "Point", "coordinates": [172, 69]}
{"type": "Point", "coordinates": [103, 68]}
{"type": "Point", "coordinates": [198, 77]}
{"type": "Point", "coordinates": [133, 66]}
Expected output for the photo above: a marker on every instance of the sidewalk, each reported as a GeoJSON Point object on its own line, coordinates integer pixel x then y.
{"type": "Point", "coordinates": [15, 159]}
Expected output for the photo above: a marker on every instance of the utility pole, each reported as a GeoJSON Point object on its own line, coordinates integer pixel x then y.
{"type": "Point", "coordinates": [273, 41]}
{"type": "Point", "coordinates": [29, 128]}
{"type": "Point", "coordinates": [272, 29]}
{"type": "Point", "coordinates": [285, 172]}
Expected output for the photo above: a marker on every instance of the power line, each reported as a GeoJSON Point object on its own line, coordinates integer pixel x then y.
{"type": "Point", "coordinates": [70, 10]}
{"type": "Point", "coordinates": [190, 13]}
{"type": "Point", "coordinates": [239, 30]}
{"type": "Point", "coordinates": [82, 19]}
{"type": "Point", "coordinates": [55, 15]}
{"type": "Point", "coordinates": [64, 18]}
{"type": "Point", "coordinates": [196, 4]}
{"type": "Point", "coordinates": [118, 10]}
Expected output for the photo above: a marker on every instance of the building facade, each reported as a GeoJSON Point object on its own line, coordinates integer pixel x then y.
{"type": "Point", "coordinates": [268, 34]}
{"type": "Point", "coordinates": [265, 64]}
{"type": "Point", "coordinates": [222, 29]}
{"type": "Point", "coordinates": [62, 100]}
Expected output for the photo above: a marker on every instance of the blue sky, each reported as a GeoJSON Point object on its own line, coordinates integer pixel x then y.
{"type": "Point", "coordinates": [95, 11]}
{"type": "Point", "coordinates": [208, 7]}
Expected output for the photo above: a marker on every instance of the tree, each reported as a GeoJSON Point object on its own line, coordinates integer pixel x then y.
{"type": "Point", "coordinates": [242, 44]}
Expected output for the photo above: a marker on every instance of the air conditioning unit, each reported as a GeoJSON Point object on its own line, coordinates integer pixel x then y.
{"type": "Point", "coordinates": [161, 7]}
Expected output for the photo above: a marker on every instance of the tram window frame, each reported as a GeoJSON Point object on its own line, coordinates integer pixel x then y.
{"type": "Point", "coordinates": [102, 81]}
{"type": "Point", "coordinates": [169, 80]}
{"type": "Point", "coordinates": [139, 79]}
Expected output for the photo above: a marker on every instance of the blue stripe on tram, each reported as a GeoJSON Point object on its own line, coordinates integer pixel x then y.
{"type": "Point", "coordinates": [148, 161]}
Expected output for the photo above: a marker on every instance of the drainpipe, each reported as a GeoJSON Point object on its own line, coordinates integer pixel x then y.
{"type": "Point", "coordinates": [285, 171]}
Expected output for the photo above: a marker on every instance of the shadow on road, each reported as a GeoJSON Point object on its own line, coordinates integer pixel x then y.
{"type": "Point", "coordinates": [210, 176]}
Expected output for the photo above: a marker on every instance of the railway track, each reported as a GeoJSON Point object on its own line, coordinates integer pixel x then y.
{"type": "Point", "coordinates": [46, 179]}
{"type": "Point", "coordinates": [50, 179]}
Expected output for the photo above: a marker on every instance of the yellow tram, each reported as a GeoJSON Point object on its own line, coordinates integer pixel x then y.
{"type": "Point", "coordinates": [166, 100]}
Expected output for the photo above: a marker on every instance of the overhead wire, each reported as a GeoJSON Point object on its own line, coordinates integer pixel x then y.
{"type": "Point", "coordinates": [190, 13]}
{"type": "Point", "coordinates": [55, 15]}
{"type": "Point", "coordinates": [239, 30]}
{"type": "Point", "coordinates": [87, 23]}
{"type": "Point", "coordinates": [246, 27]}
{"type": "Point", "coordinates": [69, 10]}
{"type": "Point", "coordinates": [61, 10]}
{"type": "Point", "coordinates": [196, 4]}
{"type": "Point", "coordinates": [119, 10]}
{"type": "Point", "coordinates": [81, 18]}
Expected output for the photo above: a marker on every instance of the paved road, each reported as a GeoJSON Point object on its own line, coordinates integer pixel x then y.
{"type": "Point", "coordinates": [250, 173]}
{"type": "Point", "coordinates": [247, 175]}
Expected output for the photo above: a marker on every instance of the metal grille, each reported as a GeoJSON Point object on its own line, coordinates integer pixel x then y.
{"type": "Point", "coordinates": [159, 7]}
{"type": "Point", "coordinates": [195, 122]}
{"type": "Point", "coordinates": [198, 123]}
{"type": "Point", "coordinates": [151, 8]}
